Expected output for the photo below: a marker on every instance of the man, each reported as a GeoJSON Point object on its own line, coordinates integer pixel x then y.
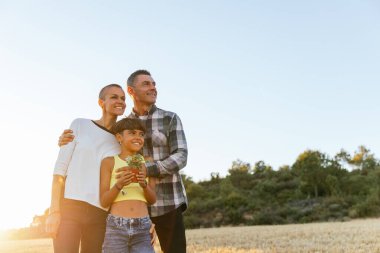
{"type": "Point", "coordinates": [166, 151]}
{"type": "Point", "coordinates": [165, 142]}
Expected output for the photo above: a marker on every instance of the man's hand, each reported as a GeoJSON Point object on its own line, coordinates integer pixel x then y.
{"type": "Point", "coordinates": [52, 224]}
{"type": "Point", "coordinates": [66, 137]}
{"type": "Point", "coordinates": [148, 159]}
{"type": "Point", "coordinates": [153, 235]}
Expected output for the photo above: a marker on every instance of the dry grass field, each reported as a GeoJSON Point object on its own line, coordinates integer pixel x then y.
{"type": "Point", "coordinates": [354, 236]}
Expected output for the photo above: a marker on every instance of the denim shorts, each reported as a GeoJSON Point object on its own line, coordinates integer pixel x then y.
{"type": "Point", "coordinates": [127, 235]}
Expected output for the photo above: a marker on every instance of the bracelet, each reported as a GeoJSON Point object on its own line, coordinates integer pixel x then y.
{"type": "Point", "coordinates": [145, 185]}
{"type": "Point", "coordinates": [118, 188]}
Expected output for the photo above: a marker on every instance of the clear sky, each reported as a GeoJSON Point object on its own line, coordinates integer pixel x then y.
{"type": "Point", "coordinates": [251, 80]}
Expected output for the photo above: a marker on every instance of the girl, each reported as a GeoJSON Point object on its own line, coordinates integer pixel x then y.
{"type": "Point", "coordinates": [128, 194]}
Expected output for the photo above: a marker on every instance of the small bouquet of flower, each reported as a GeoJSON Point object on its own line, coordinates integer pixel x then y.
{"type": "Point", "coordinates": [134, 163]}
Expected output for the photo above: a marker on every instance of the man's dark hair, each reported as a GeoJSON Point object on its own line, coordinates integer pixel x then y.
{"type": "Point", "coordinates": [102, 92]}
{"type": "Point", "coordinates": [127, 124]}
{"type": "Point", "coordinates": [132, 77]}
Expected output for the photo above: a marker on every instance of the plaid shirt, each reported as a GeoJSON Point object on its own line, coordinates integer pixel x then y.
{"type": "Point", "coordinates": [165, 142]}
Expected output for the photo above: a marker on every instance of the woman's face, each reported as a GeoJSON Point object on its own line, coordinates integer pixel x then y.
{"type": "Point", "coordinates": [114, 101]}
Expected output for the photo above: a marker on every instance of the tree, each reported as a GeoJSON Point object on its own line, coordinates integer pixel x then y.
{"type": "Point", "coordinates": [240, 174]}
{"type": "Point", "coordinates": [311, 167]}
{"type": "Point", "coordinates": [261, 170]}
{"type": "Point", "coordinates": [362, 159]}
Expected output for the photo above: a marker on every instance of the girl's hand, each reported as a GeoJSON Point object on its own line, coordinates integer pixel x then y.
{"type": "Point", "coordinates": [141, 177]}
{"type": "Point", "coordinates": [124, 177]}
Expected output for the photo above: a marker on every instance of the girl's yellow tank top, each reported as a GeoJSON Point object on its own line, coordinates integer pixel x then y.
{"type": "Point", "coordinates": [133, 191]}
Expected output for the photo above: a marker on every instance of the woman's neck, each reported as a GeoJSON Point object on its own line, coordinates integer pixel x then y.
{"type": "Point", "coordinates": [107, 121]}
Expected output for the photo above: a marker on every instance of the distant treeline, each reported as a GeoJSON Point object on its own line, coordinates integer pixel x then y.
{"type": "Point", "coordinates": [315, 187]}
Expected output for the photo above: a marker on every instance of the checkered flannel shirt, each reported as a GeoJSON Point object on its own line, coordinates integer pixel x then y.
{"type": "Point", "coordinates": [165, 142]}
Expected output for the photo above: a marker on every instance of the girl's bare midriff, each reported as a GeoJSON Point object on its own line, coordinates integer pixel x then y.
{"type": "Point", "coordinates": [129, 209]}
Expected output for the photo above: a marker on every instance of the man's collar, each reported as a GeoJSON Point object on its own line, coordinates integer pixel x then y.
{"type": "Point", "coordinates": [149, 112]}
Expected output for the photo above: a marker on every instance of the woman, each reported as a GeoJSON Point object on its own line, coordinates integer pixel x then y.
{"type": "Point", "coordinates": [78, 218]}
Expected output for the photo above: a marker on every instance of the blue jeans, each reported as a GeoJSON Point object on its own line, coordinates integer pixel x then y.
{"type": "Point", "coordinates": [127, 235]}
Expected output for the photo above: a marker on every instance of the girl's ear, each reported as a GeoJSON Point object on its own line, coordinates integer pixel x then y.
{"type": "Point", "coordinates": [119, 138]}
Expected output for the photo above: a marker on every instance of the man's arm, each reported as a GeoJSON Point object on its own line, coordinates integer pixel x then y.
{"type": "Point", "coordinates": [66, 137]}
{"type": "Point", "coordinates": [178, 152]}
